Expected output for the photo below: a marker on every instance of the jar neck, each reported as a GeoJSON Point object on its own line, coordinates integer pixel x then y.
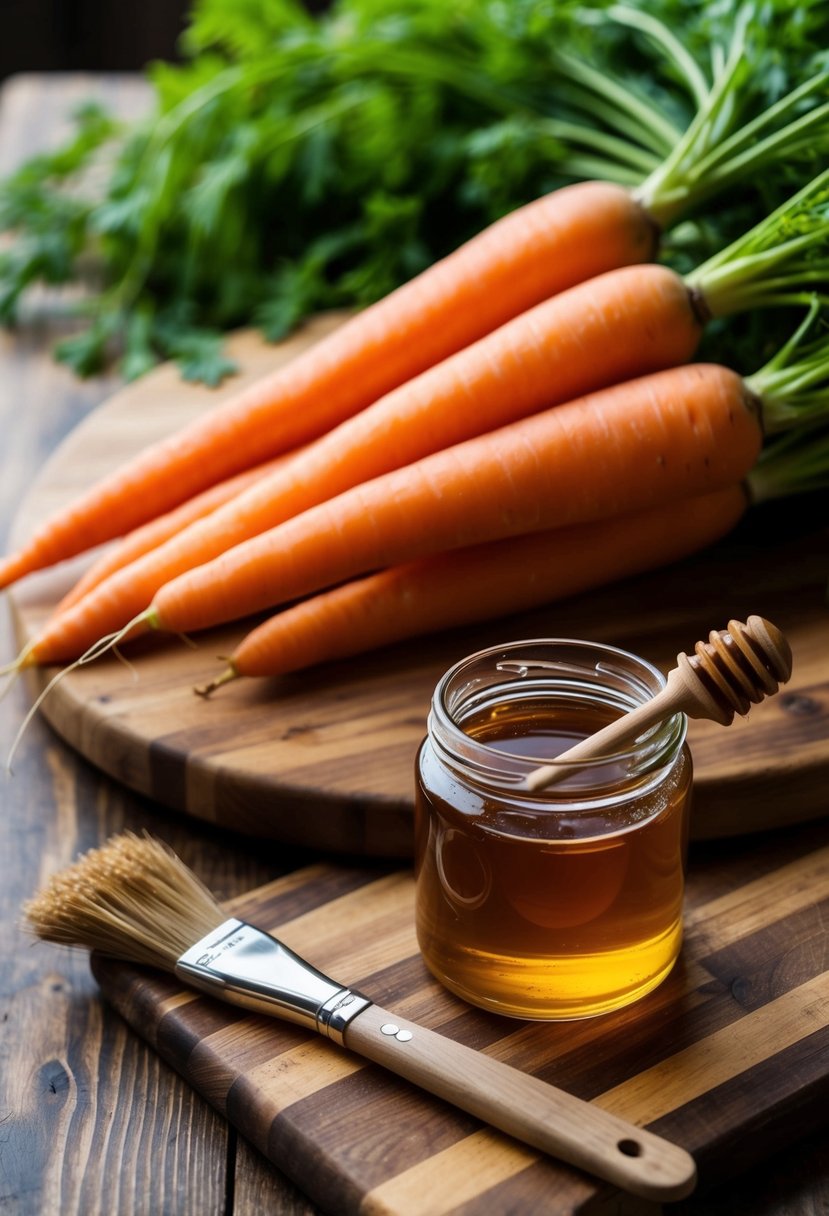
{"type": "Point", "coordinates": [569, 680]}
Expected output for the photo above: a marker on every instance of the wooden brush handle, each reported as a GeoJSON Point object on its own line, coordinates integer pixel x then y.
{"type": "Point", "coordinates": [524, 1107]}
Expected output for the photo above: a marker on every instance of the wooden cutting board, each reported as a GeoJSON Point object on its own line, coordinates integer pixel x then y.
{"type": "Point", "coordinates": [324, 758]}
{"type": "Point", "coordinates": [729, 1057]}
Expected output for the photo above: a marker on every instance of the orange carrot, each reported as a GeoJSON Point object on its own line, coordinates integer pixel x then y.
{"type": "Point", "coordinates": [758, 266]}
{"type": "Point", "coordinates": [633, 320]}
{"type": "Point", "coordinates": [480, 583]}
{"type": "Point", "coordinates": [543, 248]}
{"type": "Point", "coordinates": [672, 434]}
{"type": "Point", "coordinates": [153, 534]}
{"type": "Point", "coordinates": [423, 322]}
{"type": "Point", "coordinates": [669, 435]}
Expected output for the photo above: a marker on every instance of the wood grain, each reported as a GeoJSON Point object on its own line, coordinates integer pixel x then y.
{"type": "Point", "coordinates": [592, 1137]}
{"type": "Point", "coordinates": [73, 1074]}
{"type": "Point", "coordinates": [729, 1055]}
{"type": "Point", "coordinates": [324, 758]}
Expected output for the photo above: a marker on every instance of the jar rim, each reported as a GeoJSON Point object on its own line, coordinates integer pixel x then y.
{"type": "Point", "coordinates": [626, 680]}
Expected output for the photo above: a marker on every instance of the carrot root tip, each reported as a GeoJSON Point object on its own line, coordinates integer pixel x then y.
{"type": "Point", "coordinates": [103, 646]}
{"type": "Point", "coordinates": [205, 690]}
{"type": "Point", "coordinates": [122, 658]}
{"type": "Point", "coordinates": [26, 658]}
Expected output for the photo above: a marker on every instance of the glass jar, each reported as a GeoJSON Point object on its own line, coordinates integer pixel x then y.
{"type": "Point", "coordinates": [565, 902]}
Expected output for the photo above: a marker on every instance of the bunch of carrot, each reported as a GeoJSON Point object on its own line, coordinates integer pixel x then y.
{"type": "Point", "coordinates": [518, 423]}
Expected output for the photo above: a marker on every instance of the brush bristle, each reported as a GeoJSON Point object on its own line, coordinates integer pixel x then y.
{"type": "Point", "coordinates": [133, 899]}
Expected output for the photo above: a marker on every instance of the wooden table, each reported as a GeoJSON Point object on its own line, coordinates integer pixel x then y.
{"type": "Point", "coordinates": [90, 1119]}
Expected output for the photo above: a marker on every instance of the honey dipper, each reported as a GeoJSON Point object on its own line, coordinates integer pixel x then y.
{"type": "Point", "coordinates": [735, 668]}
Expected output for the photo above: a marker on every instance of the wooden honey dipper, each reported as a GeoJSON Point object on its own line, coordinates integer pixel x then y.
{"type": "Point", "coordinates": [726, 675]}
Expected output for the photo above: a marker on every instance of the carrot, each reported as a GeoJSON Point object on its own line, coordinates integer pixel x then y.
{"type": "Point", "coordinates": [479, 583]}
{"type": "Point", "coordinates": [669, 435]}
{"type": "Point", "coordinates": [489, 580]}
{"type": "Point", "coordinates": [153, 534]}
{"type": "Point", "coordinates": [533, 253]}
{"type": "Point", "coordinates": [534, 360]}
{"type": "Point", "coordinates": [672, 434]}
{"type": "Point", "coordinates": [543, 248]}
{"type": "Point", "coordinates": [730, 280]}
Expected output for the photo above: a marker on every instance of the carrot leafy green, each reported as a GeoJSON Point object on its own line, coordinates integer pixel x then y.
{"type": "Point", "coordinates": [292, 163]}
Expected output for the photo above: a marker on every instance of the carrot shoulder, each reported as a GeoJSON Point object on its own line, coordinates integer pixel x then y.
{"type": "Point", "coordinates": [481, 583]}
{"type": "Point", "coordinates": [673, 434]}
{"type": "Point", "coordinates": [529, 255]}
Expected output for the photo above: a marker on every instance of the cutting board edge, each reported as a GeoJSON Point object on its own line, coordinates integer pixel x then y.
{"type": "Point", "coordinates": [168, 778]}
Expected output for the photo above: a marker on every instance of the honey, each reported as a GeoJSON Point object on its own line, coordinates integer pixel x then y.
{"type": "Point", "coordinates": [557, 904]}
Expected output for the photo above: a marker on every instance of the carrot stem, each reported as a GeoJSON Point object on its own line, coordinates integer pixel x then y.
{"type": "Point", "coordinates": [704, 129]}
{"type": "Point", "coordinates": [746, 149]}
{"type": "Point", "coordinates": [793, 463]}
{"type": "Point", "coordinates": [631, 115]}
{"type": "Point", "coordinates": [659, 33]}
{"type": "Point", "coordinates": [777, 257]}
{"type": "Point", "coordinates": [794, 384]}
{"type": "Point", "coordinates": [620, 152]}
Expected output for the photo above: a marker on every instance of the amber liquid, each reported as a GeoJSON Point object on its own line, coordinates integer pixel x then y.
{"type": "Point", "coordinates": [550, 914]}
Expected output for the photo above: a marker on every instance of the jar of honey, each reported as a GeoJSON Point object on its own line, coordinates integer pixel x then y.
{"type": "Point", "coordinates": [565, 902]}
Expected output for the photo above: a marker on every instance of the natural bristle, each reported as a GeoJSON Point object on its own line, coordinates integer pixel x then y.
{"type": "Point", "coordinates": [133, 898]}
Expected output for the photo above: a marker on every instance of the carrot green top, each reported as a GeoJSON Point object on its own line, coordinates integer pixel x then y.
{"type": "Point", "coordinates": [293, 163]}
{"type": "Point", "coordinates": [717, 150]}
{"type": "Point", "coordinates": [795, 463]}
{"type": "Point", "coordinates": [793, 386]}
{"type": "Point", "coordinates": [612, 130]}
{"type": "Point", "coordinates": [777, 262]}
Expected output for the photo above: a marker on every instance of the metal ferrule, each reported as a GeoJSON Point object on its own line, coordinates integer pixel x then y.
{"type": "Point", "coordinates": [247, 967]}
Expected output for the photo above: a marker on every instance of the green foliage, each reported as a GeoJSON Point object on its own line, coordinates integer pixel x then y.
{"type": "Point", "coordinates": [292, 163]}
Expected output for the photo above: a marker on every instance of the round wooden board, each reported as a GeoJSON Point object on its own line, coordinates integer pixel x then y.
{"type": "Point", "coordinates": [325, 758]}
